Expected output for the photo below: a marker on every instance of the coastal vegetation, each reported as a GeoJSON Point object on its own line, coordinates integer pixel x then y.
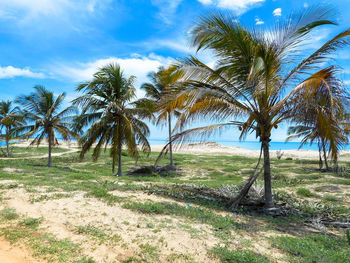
{"type": "Point", "coordinates": [112, 115]}
{"type": "Point", "coordinates": [44, 119]}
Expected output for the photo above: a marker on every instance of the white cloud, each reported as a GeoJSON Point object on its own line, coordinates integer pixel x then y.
{"type": "Point", "coordinates": [206, 2]}
{"type": "Point", "coordinates": [306, 5]}
{"type": "Point", "coordinates": [136, 65]}
{"type": "Point", "coordinates": [26, 10]}
{"type": "Point", "coordinates": [239, 6]}
{"type": "Point", "coordinates": [277, 12]}
{"type": "Point", "coordinates": [11, 72]}
{"type": "Point", "coordinates": [258, 21]}
{"type": "Point", "coordinates": [167, 9]}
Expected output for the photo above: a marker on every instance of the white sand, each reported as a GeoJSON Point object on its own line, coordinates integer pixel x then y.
{"type": "Point", "coordinates": [214, 148]}
{"type": "Point", "coordinates": [218, 149]}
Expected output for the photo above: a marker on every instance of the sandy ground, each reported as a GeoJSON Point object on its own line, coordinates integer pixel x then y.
{"type": "Point", "coordinates": [211, 148]}
{"type": "Point", "coordinates": [218, 149]}
{"type": "Point", "coordinates": [14, 254]}
{"type": "Point", "coordinates": [63, 216]}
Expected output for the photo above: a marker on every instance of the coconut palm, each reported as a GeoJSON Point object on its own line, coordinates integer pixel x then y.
{"type": "Point", "coordinates": [321, 120]}
{"type": "Point", "coordinates": [259, 77]}
{"type": "Point", "coordinates": [161, 82]}
{"type": "Point", "coordinates": [115, 119]}
{"type": "Point", "coordinates": [10, 117]}
{"type": "Point", "coordinates": [41, 110]}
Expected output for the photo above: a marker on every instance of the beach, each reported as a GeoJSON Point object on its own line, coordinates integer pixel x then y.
{"type": "Point", "coordinates": [213, 148]}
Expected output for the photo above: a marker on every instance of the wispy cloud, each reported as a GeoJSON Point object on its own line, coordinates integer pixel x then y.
{"type": "Point", "coordinates": [135, 65]}
{"type": "Point", "coordinates": [258, 21]}
{"type": "Point", "coordinates": [239, 6]}
{"type": "Point", "coordinates": [12, 72]}
{"type": "Point", "coordinates": [277, 12]}
{"type": "Point", "coordinates": [25, 11]}
{"type": "Point", "coordinates": [167, 9]}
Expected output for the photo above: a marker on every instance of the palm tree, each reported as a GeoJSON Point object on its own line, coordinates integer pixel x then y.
{"type": "Point", "coordinates": [107, 105]}
{"type": "Point", "coordinates": [10, 118]}
{"type": "Point", "coordinates": [161, 82]}
{"type": "Point", "coordinates": [41, 111]}
{"type": "Point", "coordinates": [321, 119]}
{"type": "Point", "coordinates": [259, 76]}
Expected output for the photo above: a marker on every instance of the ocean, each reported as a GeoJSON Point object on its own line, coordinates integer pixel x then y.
{"type": "Point", "coordinates": [255, 145]}
{"type": "Point", "coordinates": [250, 145]}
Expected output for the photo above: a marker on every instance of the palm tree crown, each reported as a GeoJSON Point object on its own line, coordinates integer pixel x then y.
{"type": "Point", "coordinates": [41, 110]}
{"type": "Point", "coordinates": [161, 83]}
{"type": "Point", "coordinates": [115, 119]}
{"type": "Point", "coordinates": [10, 117]}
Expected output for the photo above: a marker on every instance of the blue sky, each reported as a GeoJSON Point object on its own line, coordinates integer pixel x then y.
{"type": "Point", "coordinates": [60, 43]}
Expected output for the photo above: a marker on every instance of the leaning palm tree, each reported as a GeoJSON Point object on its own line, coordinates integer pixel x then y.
{"type": "Point", "coordinates": [161, 81]}
{"type": "Point", "coordinates": [258, 79]}
{"type": "Point", "coordinates": [10, 117]}
{"type": "Point", "coordinates": [115, 119]}
{"type": "Point", "coordinates": [41, 110]}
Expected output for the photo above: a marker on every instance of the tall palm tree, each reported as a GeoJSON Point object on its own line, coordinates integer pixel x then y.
{"type": "Point", "coordinates": [115, 119]}
{"type": "Point", "coordinates": [161, 82]}
{"type": "Point", "coordinates": [259, 76]}
{"type": "Point", "coordinates": [41, 110]}
{"type": "Point", "coordinates": [10, 118]}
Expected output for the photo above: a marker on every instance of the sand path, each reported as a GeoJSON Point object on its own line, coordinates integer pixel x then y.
{"type": "Point", "coordinates": [10, 254]}
{"type": "Point", "coordinates": [40, 156]}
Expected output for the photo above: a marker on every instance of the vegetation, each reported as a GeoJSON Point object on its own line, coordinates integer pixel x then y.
{"type": "Point", "coordinates": [113, 116]}
{"type": "Point", "coordinates": [10, 118]}
{"type": "Point", "coordinates": [44, 120]}
{"type": "Point", "coordinates": [190, 213]}
{"type": "Point", "coordinates": [254, 69]}
{"type": "Point", "coordinates": [162, 82]}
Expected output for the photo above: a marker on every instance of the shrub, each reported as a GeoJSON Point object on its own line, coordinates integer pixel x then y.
{"type": "Point", "coordinates": [9, 214]}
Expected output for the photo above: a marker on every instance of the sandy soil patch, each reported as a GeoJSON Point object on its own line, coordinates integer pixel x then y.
{"type": "Point", "coordinates": [215, 148]}
{"type": "Point", "coordinates": [169, 234]}
{"type": "Point", "coordinates": [14, 254]}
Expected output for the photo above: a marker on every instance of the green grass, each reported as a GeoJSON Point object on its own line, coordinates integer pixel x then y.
{"type": "Point", "coordinates": [44, 245]}
{"type": "Point", "coordinates": [220, 223]}
{"type": "Point", "coordinates": [304, 192]}
{"type": "Point", "coordinates": [237, 256]}
{"type": "Point", "coordinates": [9, 214]}
{"type": "Point", "coordinates": [313, 248]}
{"type": "Point", "coordinates": [101, 235]}
{"type": "Point", "coordinates": [330, 198]}
{"type": "Point", "coordinates": [95, 179]}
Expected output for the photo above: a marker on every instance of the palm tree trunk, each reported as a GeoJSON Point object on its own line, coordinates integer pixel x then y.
{"type": "Point", "coordinates": [7, 141]}
{"type": "Point", "coordinates": [113, 165]}
{"type": "Point", "coordinates": [119, 148]}
{"type": "Point", "coordinates": [49, 163]}
{"type": "Point", "coordinates": [170, 142]}
{"type": "Point", "coordinates": [267, 173]}
{"type": "Point", "coordinates": [320, 163]}
{"type": "Point", "coordinates": [325, 154]}
{"type": "Point", "coordinates": [119, 158]}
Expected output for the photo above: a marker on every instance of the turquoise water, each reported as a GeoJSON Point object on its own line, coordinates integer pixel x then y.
{"type": "Point", "coordinates": [253, 145]}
